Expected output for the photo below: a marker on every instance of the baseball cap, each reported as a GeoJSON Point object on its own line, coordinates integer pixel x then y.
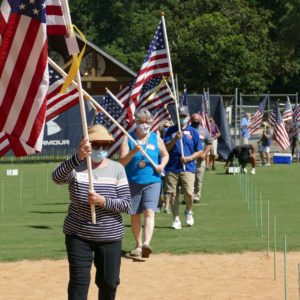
{"type": "Point", "coordinates": [183, 111]}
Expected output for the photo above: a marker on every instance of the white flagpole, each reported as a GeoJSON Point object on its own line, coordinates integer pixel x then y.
{"type": "Point", "coordinates": [95, 104]}
{"type": "Point", "coordinates": [114, 97]}
{"type": "Point", "coordinates": [67, 14]}
{"type": "Point", "coordinates": [173, 82]}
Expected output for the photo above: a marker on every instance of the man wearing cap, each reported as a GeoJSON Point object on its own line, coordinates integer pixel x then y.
{"type": "Point", "coordinates": [99, 243]}
{"type": "Point", "coordinates": [181, 167]}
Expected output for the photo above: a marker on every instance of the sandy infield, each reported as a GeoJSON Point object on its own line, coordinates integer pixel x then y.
{"type": "Point", "coordinates": [200, 276]}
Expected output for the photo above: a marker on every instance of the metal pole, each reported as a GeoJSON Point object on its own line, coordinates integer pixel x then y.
{"type": "Point", "coordinates": [235, 115]}
{"type": "Point", "coordinates": [240, 114]}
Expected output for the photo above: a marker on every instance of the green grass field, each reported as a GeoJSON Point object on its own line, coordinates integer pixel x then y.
{"type": "Point", "coordinates": [227, 220]}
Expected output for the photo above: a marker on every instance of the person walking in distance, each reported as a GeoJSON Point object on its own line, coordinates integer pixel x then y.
{"type": "Point", "coordinates": [181, 167]}
{"type": "Point", "coordinates": [215, 134]}
{"type": "Point", "coordinates": [206, 141]}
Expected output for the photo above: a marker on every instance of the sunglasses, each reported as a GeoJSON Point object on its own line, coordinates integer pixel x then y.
{"type": "Point", "coordinates": [97, 146]}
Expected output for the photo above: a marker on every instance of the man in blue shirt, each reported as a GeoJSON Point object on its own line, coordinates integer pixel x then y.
{"type": "Point", "coordinates": [181, 167]}
{"type": "Point", "coordinates": [245, 134]}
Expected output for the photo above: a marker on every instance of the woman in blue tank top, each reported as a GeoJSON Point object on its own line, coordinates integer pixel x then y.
{"type": "Point", "coordinates": [144, 179]}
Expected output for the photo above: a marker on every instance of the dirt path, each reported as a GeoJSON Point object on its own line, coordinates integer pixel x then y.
{"type": "Point", "coordinates": [229, 276]}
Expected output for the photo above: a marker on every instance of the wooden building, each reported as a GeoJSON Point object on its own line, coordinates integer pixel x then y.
{"type": "Point", "coordinates": [98, 69]}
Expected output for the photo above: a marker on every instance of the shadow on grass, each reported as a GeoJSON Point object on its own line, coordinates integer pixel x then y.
{"type": "Point", "coordinates": [58, 203]}
{"type": "Point", "coordinates": [47, 212]}
{"type": "Point", "coordinates": [39, 227]}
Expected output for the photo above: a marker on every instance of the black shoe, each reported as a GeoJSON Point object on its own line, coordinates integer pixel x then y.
{"type": "Point", "coordinates": [213, 168]}
{"type": "Point", "coordinates": [183, 202]}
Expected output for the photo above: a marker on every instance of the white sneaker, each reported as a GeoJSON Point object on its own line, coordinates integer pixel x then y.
{"type": "Point", "coordinates": [253, 172]}
{"type": "Point", "coordinates": [189, 220]}
{"type": "Point", "coordinates": [176, 224]}
{"type": "Point", "coordinates": [245, 170]}
{"type": "Point", "coordinates": [268, 165]}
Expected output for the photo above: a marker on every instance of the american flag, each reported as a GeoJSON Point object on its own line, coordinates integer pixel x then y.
{"type": "Point", "coordinates": [159, 115]}
{"type": "Point", "coordinates": [58, 103]}
{"type": "Point", "coordinates": [280, 134]}
{"type": "Point", "coordinates": [287, 114]}
{"type": "Point", "coordinates": [293, 131]}
{"type": "Point", "coordinates": [120, 115]}
{"type": "Point", "coordinates": [183, 99]}
{"type": "Point", "coordinates": [56, 23]}
{"type": "Point", "coordinates": [4, 144]}
{"type": "Point", "coordinates": [153, 95]}
{"type": "Point", "coordinates": [24, 76]}
{"type": "Point", "coordinates": [204, 111]}
{"type": "Point", "coordinates": [257, 117]}
{"type": "Point", "coordinates": [155, 65]}
{"type": "Point", "coordinates": [296, 113]}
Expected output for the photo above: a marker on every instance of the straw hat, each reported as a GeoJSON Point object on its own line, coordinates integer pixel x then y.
{"type": "Point", "coordinates": [99, 133]}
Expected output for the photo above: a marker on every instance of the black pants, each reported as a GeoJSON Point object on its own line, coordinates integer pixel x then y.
{"type": "Point", "coordinates": [107, 260]}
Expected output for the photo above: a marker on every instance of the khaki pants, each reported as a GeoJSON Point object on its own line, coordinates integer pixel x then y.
{"type": "Point", "coordinates": [199, 177]}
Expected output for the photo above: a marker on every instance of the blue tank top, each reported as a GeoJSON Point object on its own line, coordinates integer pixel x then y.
{"type": "Point", "coordinates": [145, 175]}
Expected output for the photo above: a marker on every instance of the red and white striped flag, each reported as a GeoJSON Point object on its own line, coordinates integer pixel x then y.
{"type": "Point", "coordinates": [287, 114]}
{"type": "Point", "coordinates": [155, 65]}
{"type": "Point", "coordinates": [24, 76]}
{"type": "Point", "coordinates": [161, 114]}
{"type": "Point", "coordinates": [24, 71]}
{"type": "Point", "coordinates": [5, 9]}
{"type": "Point", "coordinates": [296, 113]}
{"type": "Point", "coordinates": [257, 117]}
{"type": "Point", "coordinates": [4, 144]}
{"type": "Point", "coordinates": [56, 23]}
{"type": "Point", "coordinates": [280, 134]}
{"type": "Point", "coordinates": [58, 103]}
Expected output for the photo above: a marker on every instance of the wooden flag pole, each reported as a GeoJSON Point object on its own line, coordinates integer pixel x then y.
{"type": "Point", "coordinates": [173, 83]}
{"type": "Point", "coordinates": [66, 11]}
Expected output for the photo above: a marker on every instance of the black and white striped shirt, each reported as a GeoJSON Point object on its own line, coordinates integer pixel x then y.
{"type": "Point", "coordinates": [109, 181]}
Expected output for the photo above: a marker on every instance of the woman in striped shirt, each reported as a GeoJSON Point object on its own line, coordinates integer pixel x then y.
{"type": "Point", "coordinates": [101, 242]}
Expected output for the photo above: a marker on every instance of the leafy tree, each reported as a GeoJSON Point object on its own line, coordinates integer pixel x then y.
{"type": "Point", "coordinates": [222, 45]}
{"type": "Point", "coordinates": [250, 44]}
{"type": "Point", "coordinates": [122, 28]}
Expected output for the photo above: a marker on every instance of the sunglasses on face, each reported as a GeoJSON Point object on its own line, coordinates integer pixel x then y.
{"type": "Point", "coordinates": [97, 146]}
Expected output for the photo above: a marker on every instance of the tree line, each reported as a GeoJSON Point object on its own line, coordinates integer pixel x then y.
{"type": "Point", "coordinates": [253, 45]}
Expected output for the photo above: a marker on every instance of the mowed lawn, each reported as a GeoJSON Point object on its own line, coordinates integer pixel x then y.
{"type": "Point", "coordinates": [232, 217]}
